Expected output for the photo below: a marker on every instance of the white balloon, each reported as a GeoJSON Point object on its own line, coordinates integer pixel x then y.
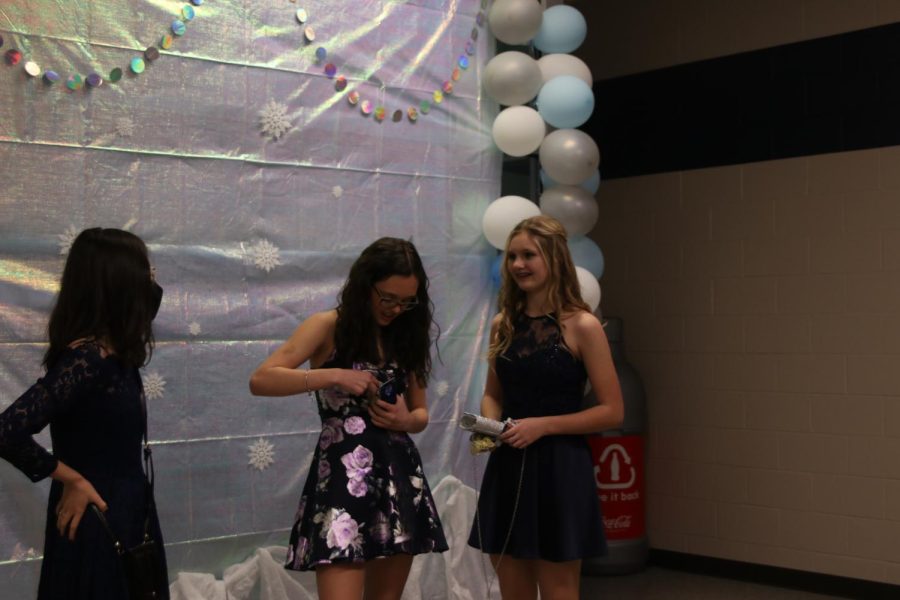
{"type": "Point", "coordinates": [571, 205]}
{"type": "Point", "coordinates": [554, 65]}
{"type": "Point", "coordinates": [515, 21]}
{"type": "Point", "coordinates": [512, 78]}
{"type": "Point", "coordinates": [569, 156]}
{"type": "Point", "coordinates": [519, 130]}
{"type": "Point", "coordinates": [503, 214]}
{"type": "Point", "coordinates": [590, 287]}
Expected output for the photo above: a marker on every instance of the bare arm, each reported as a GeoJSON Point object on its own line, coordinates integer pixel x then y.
{"type": "Point", "coordinates": [492, 400]}
{"type": "Point", "coordinates": [311, 341]}
{"type": "Point", "coordinates": [590, 340]}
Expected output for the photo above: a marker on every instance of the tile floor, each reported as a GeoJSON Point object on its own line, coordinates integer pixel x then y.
{"type": "Point", "coordinates": [655, 583]}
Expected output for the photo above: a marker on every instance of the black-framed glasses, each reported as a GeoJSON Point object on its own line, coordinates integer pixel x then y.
{"type": "Point", "coordinates": [391, 303]}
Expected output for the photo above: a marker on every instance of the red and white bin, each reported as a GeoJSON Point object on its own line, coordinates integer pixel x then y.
{"type": "Point", "coordinates": [619, 473]}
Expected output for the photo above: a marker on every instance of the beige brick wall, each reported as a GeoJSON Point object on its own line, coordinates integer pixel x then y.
{"type": "Point", "coordinates": [761, 305]}
{"type": "Point", "coordinates": [768, 336]}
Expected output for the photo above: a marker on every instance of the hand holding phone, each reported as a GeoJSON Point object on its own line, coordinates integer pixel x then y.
{"type": "Point", "coordinates": [387, 391]}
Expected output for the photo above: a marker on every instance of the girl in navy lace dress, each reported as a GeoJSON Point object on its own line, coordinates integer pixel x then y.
{"type": "Point", "coordinates": [100, 334]}
{"type": "Point", "coordinates": [538, 513]}
{"type": "Point", "coordinates": [366, 496]}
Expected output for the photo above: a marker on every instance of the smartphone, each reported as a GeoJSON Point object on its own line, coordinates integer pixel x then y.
{"type": "Point", "coordinates": [387, 391]}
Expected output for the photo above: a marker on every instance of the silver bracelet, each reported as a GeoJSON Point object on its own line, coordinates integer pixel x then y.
{"type": "Point", "coordinates": [306, 379]}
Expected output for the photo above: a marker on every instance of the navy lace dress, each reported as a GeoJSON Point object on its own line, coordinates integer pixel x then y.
{"type": "Point", "coordinates": [92, 404]}
{"type": "Point", "coordinates": [558, 515]}
{"type": "Point", "coordinates": [365, 496]}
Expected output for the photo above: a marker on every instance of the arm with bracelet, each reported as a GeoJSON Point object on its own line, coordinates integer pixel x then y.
{"type": "Point", "coordinates": [312, 341]}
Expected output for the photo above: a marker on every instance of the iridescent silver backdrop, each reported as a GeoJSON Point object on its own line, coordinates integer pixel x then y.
{"type": "Point", "coordinates": [177, 155]}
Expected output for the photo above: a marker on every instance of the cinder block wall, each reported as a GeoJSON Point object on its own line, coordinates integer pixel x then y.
{"type": "Point", "coordinates": [761, 305]}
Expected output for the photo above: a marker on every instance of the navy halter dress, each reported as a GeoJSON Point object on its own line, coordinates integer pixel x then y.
{"type": "Point", "coordinates": [558, 514]}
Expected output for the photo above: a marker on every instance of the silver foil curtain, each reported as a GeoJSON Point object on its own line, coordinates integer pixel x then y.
{"type": "Point", "coordinates": [249, 234]}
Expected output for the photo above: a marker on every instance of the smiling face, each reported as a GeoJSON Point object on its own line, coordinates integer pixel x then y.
{"type": "Point", "coordinates": [392, 296]}
{"type": "Point", "coordinates": [526, 263]}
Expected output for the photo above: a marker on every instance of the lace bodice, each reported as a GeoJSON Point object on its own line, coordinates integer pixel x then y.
{"type": "Point", "coordinates": [92, 404]}
{"type": "Point", "coordinates": [538, 374]}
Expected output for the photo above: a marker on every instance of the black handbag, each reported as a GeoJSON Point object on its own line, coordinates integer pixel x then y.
{"type": "Point", "coordinates": [141, 564]}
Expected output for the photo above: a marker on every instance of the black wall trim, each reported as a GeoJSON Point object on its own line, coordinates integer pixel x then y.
{"type": "Point", "coordinates": [818, 583]}
{"type": "Point", "coordinates": [831, 94]}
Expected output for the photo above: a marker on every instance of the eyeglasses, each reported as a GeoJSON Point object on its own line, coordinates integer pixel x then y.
{"type": "Point", "coordinates": [391, 303]}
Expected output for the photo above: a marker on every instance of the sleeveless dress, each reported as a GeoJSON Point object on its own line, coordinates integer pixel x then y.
{"type": "Point", "coordinates": [92, 404]}
{"type": "Point", "coordinates": [558, 514]}
{"type": "Point", "coordinates": [365, 496]}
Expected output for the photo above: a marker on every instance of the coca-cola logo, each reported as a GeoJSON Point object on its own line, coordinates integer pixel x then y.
{"type": "Point", "coordinates": [620, 522]}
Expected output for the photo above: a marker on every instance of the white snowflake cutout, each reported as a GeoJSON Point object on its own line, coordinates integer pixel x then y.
{"type": "Point", "coordinates": [124, 127]}
{"type": "Point", "coordinates": [265, 255]}
{"type": "Point", "coordinates": [273, 120]}
{"type": "Point", "coordinates": [66, 238]}
{"type": "Point", "coordinates": [262, 454]}
{"type": "Point", "coordinates": [442, 387]}
{"type": "Point", "coordinates": [154, 385]}
{"type": "Point", "coordinates": [337, 191]}
{"type": "Point", "coordinates": [194, 328]}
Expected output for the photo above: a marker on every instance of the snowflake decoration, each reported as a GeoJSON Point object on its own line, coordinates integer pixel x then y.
{"type": "Point", "coordinates": [66, 238]}
{"type": "Point", "coordinates": [442, 387]}
{"type": "Point", "coordinates": [124, 127]}
{"type": "Point", "coordinates": [20, 553]}
{"type": "Point", "coordinates": [194, 328]}
{"type": "Point", "coordinates": [262, 454]}
{"type": "Point", "coordinates": [265, 255]}
{"type": "Point", "coordinates": [337, 191]}
{"type": "Point", "coordinates": [273, 120]}
{"type": "Point", "coordinates": [154, 385]}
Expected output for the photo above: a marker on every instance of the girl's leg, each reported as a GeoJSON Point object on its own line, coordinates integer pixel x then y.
{"type": "Point", "coordinates": [386, 577]}
{"type": "Point", "coordinates": [558, 580]}
{"type": "Point", "coordinates": [340, 582]}
{"type": "Point", "coordinates": [516, 576]}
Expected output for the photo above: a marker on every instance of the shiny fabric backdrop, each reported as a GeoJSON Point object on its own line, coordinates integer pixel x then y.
{"type": "Point", "coordinates": [177, 155]}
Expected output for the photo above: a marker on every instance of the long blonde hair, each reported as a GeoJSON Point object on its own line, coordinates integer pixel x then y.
{"type": "Point", "coordinates": [563, 289]}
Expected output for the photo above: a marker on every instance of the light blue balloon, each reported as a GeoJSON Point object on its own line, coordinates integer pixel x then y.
{"type": "Point", "coordinates": [495, 269]}
{"type": "Point", "coordinates": [565, 102]}
{"type": "Point", "coordinates": [563, 29]}
{"type": "Point", "coordinates": [587, 254]}
{"type": "Point", "coordinates": [591, 184]}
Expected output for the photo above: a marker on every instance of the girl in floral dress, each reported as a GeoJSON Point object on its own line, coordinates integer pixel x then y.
{"type": "Point", "coordinates": [366, 496]}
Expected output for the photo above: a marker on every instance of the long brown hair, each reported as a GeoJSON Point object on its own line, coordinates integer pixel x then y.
{"type": "Point", "coordinates": [563, 289]}
{"type": "Point", "coordinates": [105, 294]}
{"type": "Point", "coordinates": [408, 339]}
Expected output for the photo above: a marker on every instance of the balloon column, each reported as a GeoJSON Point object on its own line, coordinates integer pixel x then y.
{"type": "Point", "coordinates": [559, 86]}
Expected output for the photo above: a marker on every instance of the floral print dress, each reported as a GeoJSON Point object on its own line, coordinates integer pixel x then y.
{"type": "Point", "coordinates": [366, 496]}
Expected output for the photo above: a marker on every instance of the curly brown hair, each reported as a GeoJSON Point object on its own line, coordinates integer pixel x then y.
{"type": "Point", "coordinates": [407, 340]}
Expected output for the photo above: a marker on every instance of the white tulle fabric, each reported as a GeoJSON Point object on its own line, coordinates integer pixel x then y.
{"type": "Point", "coordinates": [461, 573]}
